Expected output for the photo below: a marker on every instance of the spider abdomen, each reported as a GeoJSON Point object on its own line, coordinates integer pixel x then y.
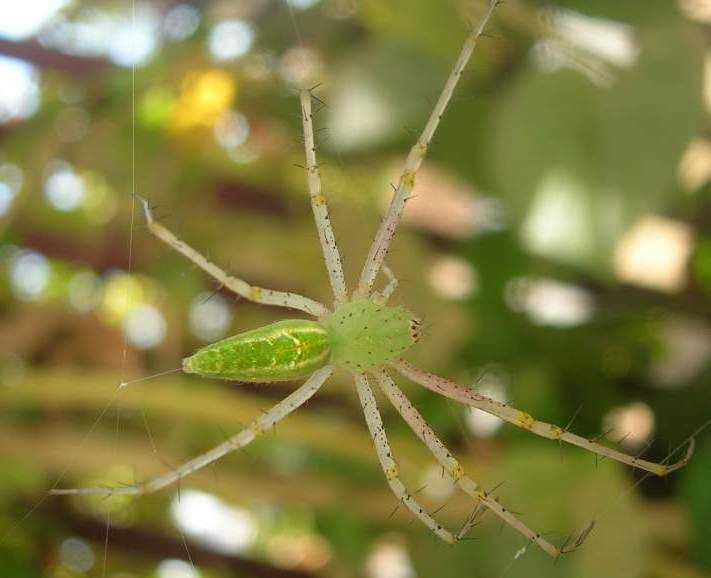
{"type": "Point", "coordinates": [283, 350]}
{"type": "Point", "coordinates": [365, 334]}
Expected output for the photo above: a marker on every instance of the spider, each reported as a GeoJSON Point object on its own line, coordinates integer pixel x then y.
{"type": "Point", "coordinates": [364, 335]}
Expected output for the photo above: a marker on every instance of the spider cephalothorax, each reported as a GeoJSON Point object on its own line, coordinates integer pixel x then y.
{"type": "Point", "coordinates": [364, 336]}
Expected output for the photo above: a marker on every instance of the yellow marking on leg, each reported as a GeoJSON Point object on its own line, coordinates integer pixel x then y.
{"type": "Point", "coordinates": [391, 473]}
{"type": "Point", "coordinates": [255, 293]}
{"type": "Point", "coordinates": [421, 149]}
{"type": "Point", "coordinates": [524, 420]}
{"type": "Point", "coordinates": [556, 432]}
{"type": "Point", "coordinates": [408, 180]}
{"type": "Point", "coordinates": [456, 470]}
{"type": "Point", "coordinates": [319, 200]}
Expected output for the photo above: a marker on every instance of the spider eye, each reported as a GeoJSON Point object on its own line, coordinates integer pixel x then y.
{"type": "Point", "coordinates": [415, 329]}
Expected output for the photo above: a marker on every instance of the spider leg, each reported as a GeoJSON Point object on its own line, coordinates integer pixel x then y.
{"type": "Point", "coordinates": [234, 284]}
{"type": "Point", "coordinates": [261, 424]}
{"type": "Point", "coordinates": [422, 429]}
{"type": "Point", "coordinates": [523, 420]}
{"type": "Point", "coordinates": [387, 462]}
{"type": "Point", "coordinates": [383, 296]}
{"type": "Point", "coordinates": [417, 153]}
{"type": "Point", "coordinates": [320, 207]}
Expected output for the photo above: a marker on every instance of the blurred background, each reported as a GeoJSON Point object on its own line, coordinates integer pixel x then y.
{"type": "Point", "coordinates": [558, 248]}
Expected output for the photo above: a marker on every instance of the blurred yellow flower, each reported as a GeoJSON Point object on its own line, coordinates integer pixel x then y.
{"type": "Point", "coordinates": [123, 293]}
{"type": "Point", "coordinates": [205, 96]}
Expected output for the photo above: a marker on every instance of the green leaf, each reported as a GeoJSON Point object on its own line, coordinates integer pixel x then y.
{"type": "Point", "coordinates": [579, 162]}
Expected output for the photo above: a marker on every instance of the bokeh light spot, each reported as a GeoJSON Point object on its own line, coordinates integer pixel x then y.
{"type": "Point", "coordinates": [19, 90]}
{"type": "Point", "coordinates": [173, 568]}
{"type": "Point", "coordinates": [491, 382]}
{"type": "Point", "coordinates": [230, 39]}
{"type": "Point", "coordinates": [437, 484]}
{"type": "Point", "coordinates": [144, 326]}
{"type": "Point", "coordinates": [29, 275]}
{"type": "Point", "coordinates": [303, 4]}
{"type": "Point", "coordinates": [654, 254]}
{"type": "Point", "coordinates": [210, 521]}
{"type": "Point", "coordinates": [205, 96]}
{"type": "Point", "coordinates": [63, 187]}
{"type": "Point", "coordinates": [77, 554]}
{"type": "Point", "coordinates": [25, 18]}
{"type": "Point", "coordinates": [210, 316]}
{"type": "Point", "coordinates": [453, 278]}
{"type": "Point", "coordinates": [389, 558]}
{"type": "Point", "coordinates": [633, 424]}
{"type": "Point", "coordinates": [122, 292]}
{"type": "Point", "coordinates": [181, 22]}
{"type": "Point", "coordinates": [231, 129]}
{"type": "Point", "coordinates": [134, 40]}
{"type": "Point", "coordinates": [549, 301]}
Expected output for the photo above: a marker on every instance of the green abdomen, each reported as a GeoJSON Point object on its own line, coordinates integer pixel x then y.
{"type": "Point", "coordinates": [284, 350]}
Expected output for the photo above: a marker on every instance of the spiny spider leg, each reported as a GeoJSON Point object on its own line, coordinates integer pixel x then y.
{"type": "Point", "coordinates": [523, 420]}
{"type": "Point", "coordinates": [387, 462]}
{"type": "Point", "coordinates": [234, 284]}
{"type": "Point", "coordinates": [422, 429]}
{"type": "Point", "coordinates": [261, 424]}
{"type": "Point", "coordinates": [320, 207]}
{"type": "Point", "coordinates": [471, 521]}
{"type": "Point", "coordinates": [417, 153]}
{"type": "Point", "coordinates": [383, 296]}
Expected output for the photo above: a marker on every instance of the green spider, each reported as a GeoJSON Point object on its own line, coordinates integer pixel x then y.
{"type": "Point", "coordinates": [362, 334]}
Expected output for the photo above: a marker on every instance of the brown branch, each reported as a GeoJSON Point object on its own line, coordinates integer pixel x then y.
{"type": "Point", "coordinates": [32, 51]}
